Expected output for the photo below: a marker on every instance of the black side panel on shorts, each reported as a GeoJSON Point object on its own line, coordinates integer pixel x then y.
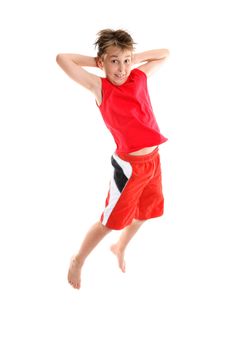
{"type": "Point", "coordinates": [119, 176]}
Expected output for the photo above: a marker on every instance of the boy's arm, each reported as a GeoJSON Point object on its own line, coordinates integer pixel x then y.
{"type": "Point", "coordinates": [72, 65]}
{"type": "Point", "coordinates": [153, 59]}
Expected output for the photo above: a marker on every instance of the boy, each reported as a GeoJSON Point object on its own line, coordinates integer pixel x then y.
{"type": "Point", "coordinates": [135, 192]}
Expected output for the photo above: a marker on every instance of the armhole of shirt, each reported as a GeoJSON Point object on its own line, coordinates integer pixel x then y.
{"type": "Point", "coordinates": [102, 84]}
{"type": "Point", "coordinates": [141, 72]}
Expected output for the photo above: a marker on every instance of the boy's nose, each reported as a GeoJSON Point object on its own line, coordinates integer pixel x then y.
{"type": "Point", "coordinates": [121, 67]}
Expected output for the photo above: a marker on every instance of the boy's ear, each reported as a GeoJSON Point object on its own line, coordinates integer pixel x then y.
{"type": "Point", "coordinates": [99, 62]}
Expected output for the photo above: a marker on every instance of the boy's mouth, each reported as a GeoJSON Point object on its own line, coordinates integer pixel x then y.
{"type": "Point", "coordinates": [119, 76]}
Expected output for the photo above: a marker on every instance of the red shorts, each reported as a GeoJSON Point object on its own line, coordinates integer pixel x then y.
{"type": "Point", "coordinates": [135, 190]}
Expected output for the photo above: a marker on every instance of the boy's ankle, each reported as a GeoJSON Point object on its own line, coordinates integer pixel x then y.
{"type": "Point", "coordinates": [78, 260]}
{"type": "Point", "coordinates": [120, 248]}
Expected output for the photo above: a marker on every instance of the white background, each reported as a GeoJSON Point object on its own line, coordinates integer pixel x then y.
{"type": "Point", "coordinates": [55, 168]}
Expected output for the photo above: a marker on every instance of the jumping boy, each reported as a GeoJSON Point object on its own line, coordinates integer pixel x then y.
{"type": "Point", "coordinates": [135, 192]}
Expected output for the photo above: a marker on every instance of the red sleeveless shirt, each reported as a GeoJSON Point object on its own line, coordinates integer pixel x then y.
{"type": "Point", "coordinates": [127, 112]}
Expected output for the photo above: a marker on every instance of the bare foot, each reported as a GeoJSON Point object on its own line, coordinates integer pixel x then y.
{"type": "Point", "coordinates": [120, 256]}
{"type": "Point", "coordinates": [74, 273]}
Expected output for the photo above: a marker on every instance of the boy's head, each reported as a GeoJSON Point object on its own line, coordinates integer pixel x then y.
{"type": "Point", "coordinates": [118, 38]}
{"type": "Point", "coordinates": [114, 54]}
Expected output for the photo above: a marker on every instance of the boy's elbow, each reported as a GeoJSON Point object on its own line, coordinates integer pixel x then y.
{"type": "Point", "coordinates": [58, 58]}
{"type": "Point", "coordinates": [64, 58]}
{"type": "Point", "coordinates": [167, 52]}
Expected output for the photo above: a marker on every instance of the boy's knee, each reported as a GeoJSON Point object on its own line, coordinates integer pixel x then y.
{"type": "Point", "coordinates": [138, 222]}
{"type": "Point", "coordinates": [104, 228]}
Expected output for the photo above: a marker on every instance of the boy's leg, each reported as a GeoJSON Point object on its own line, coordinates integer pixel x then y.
{"type": "Point", "coordinates": [119, 248]}
{"type": "Point", "coordinates": [95, 234]}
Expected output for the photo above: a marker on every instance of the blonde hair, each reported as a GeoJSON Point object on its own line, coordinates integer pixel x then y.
{"type": "Point", "coordinates": [108, 37]}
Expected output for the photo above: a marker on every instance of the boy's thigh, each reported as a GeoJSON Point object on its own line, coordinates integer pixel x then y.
{"type": "Point", "coordinates": [121, 207]}
{"type": "Point", "coordinates": [151, 201]}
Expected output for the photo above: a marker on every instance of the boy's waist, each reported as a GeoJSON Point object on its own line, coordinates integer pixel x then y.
{"type": "Point", "coordinates": [143, 154]}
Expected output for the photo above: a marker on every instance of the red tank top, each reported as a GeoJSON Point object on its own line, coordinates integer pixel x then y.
{"type": "Point", "coordinates": [127, 113]}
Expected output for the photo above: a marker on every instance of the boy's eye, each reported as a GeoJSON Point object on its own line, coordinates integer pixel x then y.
{"type": "Point", "coordinates": [127, 60]}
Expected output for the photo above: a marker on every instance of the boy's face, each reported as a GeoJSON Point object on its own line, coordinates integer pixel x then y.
{"type": "Point", "coordinates": [116, 63]}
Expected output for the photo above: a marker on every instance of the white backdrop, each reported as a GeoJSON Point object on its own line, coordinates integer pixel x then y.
{"type": "Point", "coordinates": [55, 168]}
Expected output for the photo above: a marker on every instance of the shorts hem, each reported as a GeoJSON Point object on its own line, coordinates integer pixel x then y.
{"type": "Point", "coordinates": [151, 217]}
{"type": "Point", "coordinates": [121, 227]}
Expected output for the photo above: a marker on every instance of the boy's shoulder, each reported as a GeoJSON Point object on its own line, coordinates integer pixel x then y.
{"type": "Point", "coordinates": [138, 71]}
